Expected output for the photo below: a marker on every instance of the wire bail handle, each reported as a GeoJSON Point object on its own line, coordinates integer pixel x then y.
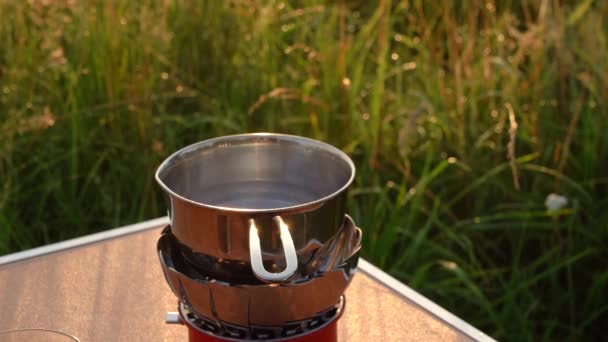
{"type": "Point", "coordinates": [255, 254]}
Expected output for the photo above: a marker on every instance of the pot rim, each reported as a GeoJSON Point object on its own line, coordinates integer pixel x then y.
{"type": "Point", "coordinates": [286, 137]}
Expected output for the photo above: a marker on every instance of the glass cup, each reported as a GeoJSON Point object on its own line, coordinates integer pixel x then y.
{"type": "Point", "coordinates": [34, 335]}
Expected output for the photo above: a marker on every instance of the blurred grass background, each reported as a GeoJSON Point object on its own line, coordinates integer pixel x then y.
{"type": "Point", "coordinates": [462, 117]}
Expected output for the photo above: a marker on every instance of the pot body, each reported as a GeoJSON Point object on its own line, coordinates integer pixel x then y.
{"type": "Point", "coordinates": [223, 189]}
{"type": "Point", "coordinates": [221, 234]}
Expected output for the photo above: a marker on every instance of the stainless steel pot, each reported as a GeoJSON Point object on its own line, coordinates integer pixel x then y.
{"type": "Point", "coordinates": [262, 199]}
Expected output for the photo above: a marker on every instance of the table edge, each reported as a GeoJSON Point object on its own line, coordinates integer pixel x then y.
{"type": "Point", "coordinates": [84, 240]}
{"type": "Point", "coordinates": [364, 266]}
{"type": "Point", "coordinates": [422, 302]}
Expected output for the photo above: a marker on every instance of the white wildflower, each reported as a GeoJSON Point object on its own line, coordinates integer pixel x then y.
{"type": "Point", "coordinates": [555, 202]}
{"type": "Point", "coordinates": [448, 265]}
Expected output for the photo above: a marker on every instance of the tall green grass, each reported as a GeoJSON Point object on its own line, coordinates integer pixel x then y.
{"type": "Point", "coordinates": [461, 117]}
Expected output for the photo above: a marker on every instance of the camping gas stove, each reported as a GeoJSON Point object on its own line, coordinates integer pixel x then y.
{"type": "Point", "coordinates": [259, 247]}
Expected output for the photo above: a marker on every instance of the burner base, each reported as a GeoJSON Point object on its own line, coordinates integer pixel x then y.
{"type": "Point", "coordinates": [320, 328]}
